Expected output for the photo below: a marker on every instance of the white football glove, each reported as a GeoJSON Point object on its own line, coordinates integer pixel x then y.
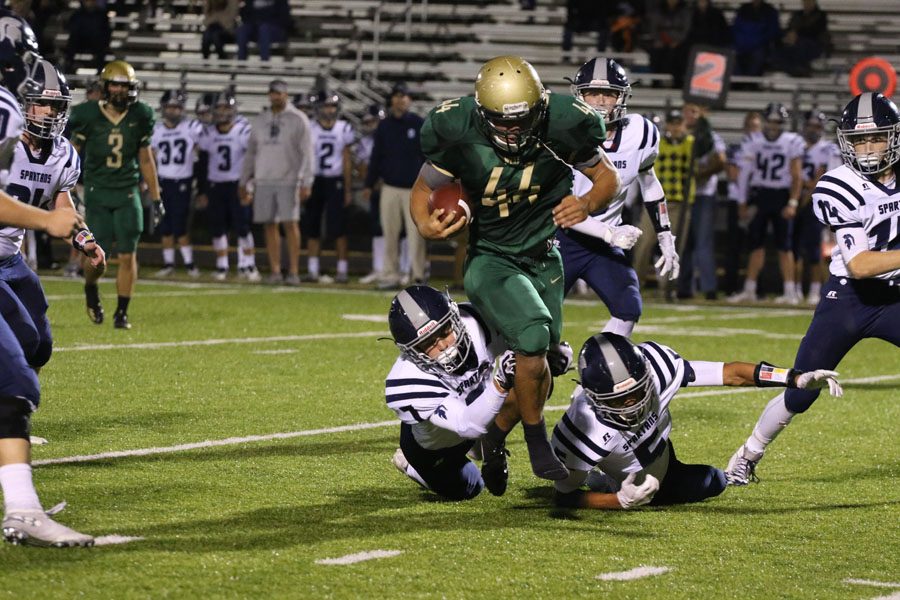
{"type": "Point", "coordinates": [820, 378]}
{"type": "Point", "coordinates": [560, 358]}
{"type": "Point", "coordinates": [668, 262]}
{"type": "Point", "coordinates": [622, 236]}
{"type": "Point", "coordinates": [505, 370]}
{"type": "Point", "coordinates": [632, 495]}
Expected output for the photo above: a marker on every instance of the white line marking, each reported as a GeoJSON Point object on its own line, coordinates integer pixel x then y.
{"type": "Point", "coordinates": [219, 341]}
{"type": "Point", "coordinates": [283, 351]}
{"type": "Point", "coordinates": [886, 584]}
{"type": "Point", "coordinates": [368, 318]}
{"type": "Point", "coordinates": [894, 596]}
{"type": "Point", "coordinates": [192, 294]}
{"type": "Point", "coordinates": [109, 540]}
{"type": "Point", "coordinates": [636, 573]}
{"type": "Point", "coordinates": [358, 557]}
{"type": "Point", "coordinates": [362, 426]}
{"type": "Point", "coordinates": [718, 332]}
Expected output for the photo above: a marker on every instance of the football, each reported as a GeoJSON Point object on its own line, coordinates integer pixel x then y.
{"type": "Point", "coordinates": [452, 198]}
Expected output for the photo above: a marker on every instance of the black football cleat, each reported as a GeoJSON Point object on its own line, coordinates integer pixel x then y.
{"type": "Point", "coordinates": [120, 321]}
{"type": "Point", "coordinates": [495, 468]}
{"type": "Point", "coordinates": [94, 308]}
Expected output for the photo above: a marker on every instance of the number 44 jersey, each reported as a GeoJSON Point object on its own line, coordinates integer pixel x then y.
{"type": "Point", "coordinates": [109, 143]}
{"type": "Point", "coordinates": [174, 148]}
{"type": "Point", "coordinates": [36, 178]}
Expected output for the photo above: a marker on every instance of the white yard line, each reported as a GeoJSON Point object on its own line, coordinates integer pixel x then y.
{"type": "Point", "coordinates": [219, 341]}
{"type": "Point", "coordinates": [636, 573]}
{"type": "Point", "coordinates": [351, 559]}
{"type": "Point", "coordinates": [362, 426]}
{"type": "Point", "coordinates": [380, 318]}
{"type": "Point", "coordinates": [143, 294]}
{"type": "Point", "coordinates": [716, 332]}
{"type": "Point", "coordinates": [884, 584]}
{"type": "Point", "coordinates": [282, 351]}
{"type": "Point", "coordinates": [113, 539]}
{"type": "Point", "coordinates": [894, 596]}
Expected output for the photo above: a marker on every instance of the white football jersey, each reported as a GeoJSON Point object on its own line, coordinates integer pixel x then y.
{"type": "Point", "coordinates": [632, 149]}
{"type": "Point", "coordinates": [363, 149]}
{"type": "Point", "coordinates": [848, 203]}
{"type": "Point", "coordinates": [415, 394]}
{"type": "Point", "coordinates": [769, 162]}
{"type": "Point", "coordinates": [174, 148]}
{"type": "Point", "coordinates": [329, 145]}
{"type": "Point", "coordinates": [583, 441]}
{"type": "Point", "coordinates": [823, 154]}
{"type": "Point", "coordinates": [36, 179]}
{"type": "Point", "coordinates": [14, 125]}
{"type": "Point", "coordinates": [226, 150]}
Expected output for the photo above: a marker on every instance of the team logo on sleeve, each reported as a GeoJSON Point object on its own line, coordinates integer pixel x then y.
{"type": "Point", "coordinates": [848, 240]}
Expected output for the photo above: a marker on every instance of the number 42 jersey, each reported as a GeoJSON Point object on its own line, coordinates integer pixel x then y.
{"type": "Point", "coordinates": [174, 148]}
{"type": "Point", "coordinates": [36, 178]}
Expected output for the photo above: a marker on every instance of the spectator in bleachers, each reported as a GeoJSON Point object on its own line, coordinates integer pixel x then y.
{"type": "Point", "coordinates": [709, 161]}
{"type": "Point", "coordinates": [48, 23]}
{"type": "Point", "coordinates": [265, 22]}
{"type": "Point", "coordinates": [668, 23]}
{"type": "Point", "coordinates": [396, 160]}
{"type": "Point", "coordinates": [624, 25]}
{"type": "Point", "coordinates": [708, 25]}
{"type": "Point", "coordinates": [89, 33]}
{"type": "Point", "coordinates": [756, 31]}
{"type": "Point", "coordinates": [219, 20]}
{"type": "Point", "coordinates": [584, 16]}
{"type": "Point", "coordinates": [806, 39]}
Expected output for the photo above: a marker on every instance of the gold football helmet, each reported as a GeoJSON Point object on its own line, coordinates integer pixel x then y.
{"type": "Point", "coordinates": [120, 72]}
{"type": "Point", "coordinates": [512, 103]}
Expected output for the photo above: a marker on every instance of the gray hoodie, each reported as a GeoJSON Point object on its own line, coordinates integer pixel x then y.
{"type": "Point", "coordinates": [280, 151]}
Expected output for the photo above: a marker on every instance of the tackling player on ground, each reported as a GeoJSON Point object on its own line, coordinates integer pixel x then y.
{"type": "Point", "coordinates": [619, 423]}
{"type": "Point", "coordinates": [513, 147]}
{"type": "Point", "coordinates": [113, 138]}
{"type": "Point", "coordinates": [860, 202]}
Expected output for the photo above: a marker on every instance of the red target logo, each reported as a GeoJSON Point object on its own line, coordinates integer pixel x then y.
{"type": "Point", "coordinates": [873, 74]}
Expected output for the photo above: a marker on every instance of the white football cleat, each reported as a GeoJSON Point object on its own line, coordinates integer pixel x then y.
{"type": "Point", "coordinates": [36, 528]}
{"type": "Point", "coordinates": [220, 274]}
{"type": "Point", "coordinates": [743, 296]}
{"type": "Point", "coordinates": [252, 275]}
{"type": "Point", "coordinates": [165, 272]}
{"type": "Point", "coordinates": [791, 299]}
{"type": "Point", "coordinates": [812, 299]}
{"type": "Point", "coordinates": [370, 278]}
{"type": "Point", "coordinates": [741, 469]}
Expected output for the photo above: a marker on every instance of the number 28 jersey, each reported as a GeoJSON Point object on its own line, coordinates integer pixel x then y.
{"type": "Point", "coordinates": [226, 150]}
{"type": "Point", "coordinates": [174, 148]}
{"type": "Point", "coordinates": [36, 179]}
{"type": "Point", "coordinates": [109, 144]}
{"type": "Point", "coordinates": [329, 144]}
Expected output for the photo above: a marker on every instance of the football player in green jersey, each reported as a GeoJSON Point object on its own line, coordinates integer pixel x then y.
{"type": "Point", "coordinates": [112, 136]}
{"type": "Point", "coordinates": [513, 146]}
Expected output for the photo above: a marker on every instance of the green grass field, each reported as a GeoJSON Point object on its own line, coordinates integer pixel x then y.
{"type": "Point", "coordinates": [250, 519]}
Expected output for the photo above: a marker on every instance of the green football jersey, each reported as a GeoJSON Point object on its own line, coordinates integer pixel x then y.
{"type": "Point", "coordinates": [109, 145]}
{"type": "Point", "coordinates": [512, 203]}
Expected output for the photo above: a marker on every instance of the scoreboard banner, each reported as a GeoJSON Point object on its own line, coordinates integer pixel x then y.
{"type": "Point", "coordinates": [873, 74]}
{"type": "Point", "coordinates": [708, 76]}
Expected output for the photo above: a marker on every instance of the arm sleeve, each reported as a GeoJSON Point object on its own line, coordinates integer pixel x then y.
{"type": "Point", "coordinates": [469, 420]}
{"type": "Point", "coordinates": [434, 177]}
{"type": "Point", "coordinates": [651, 188]}
{"type": "Point", "coordinates": [704, 373]}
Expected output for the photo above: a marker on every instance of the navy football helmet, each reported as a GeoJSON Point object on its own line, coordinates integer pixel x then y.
{"type": "Point", "coordinates": [603, 73]}
{"type": "Point", "coordinates": [869, 117]}
{"type": "Point", "coordinates": [172, 104]}
{"type": "Point", "coordinates": [19, 55]}
{"type": "Point", "coordinates": [419, 317]}
{"type": "Point", "coordinates": [203, 107]}
{"type": "Point", "coordinates": [327, 105]}
{"type": "Point", "coordinates": [51, 91]}
{"type": "Point", "coordinates": [224, 106]}
{"type": "Point", "coordinates": [305, 101]}
{"type": "Point", "coordinates": [813, 126]}
{"type": "Point", "coordinates": [776, 111]}
{"type": "Point", "coordinates": [616, 379]}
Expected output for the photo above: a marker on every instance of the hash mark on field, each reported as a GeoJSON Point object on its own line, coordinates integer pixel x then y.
{"type": "Point", "coordinates": [368, 318]}
{"type": "Point", "coordinates": [871, 582]}
{"type": "Point", "coordinates": [636, 573]}
{"type": "Point", "coordinates": [359, 557]}
{"type": "Point", "coordinates": [110, 540]}
{"type": "Point", "coordinates": [894, 596]}
{"type": "Point", "coordinates": [282, 351]}
{"type": "Point", "coordinates": [362, 426]}
{"type": "Point", "coordinates": [219, 341]}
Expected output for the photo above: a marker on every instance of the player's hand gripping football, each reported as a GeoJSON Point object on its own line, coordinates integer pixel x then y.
{"type": "Point", "coordinates": [441, 225]}
{"type": "Point", "coordinates": [668, 262]}
{"type": "Point", "coordinates": [820, 378]}
{"type": "Point", "coordinates": [571, 211]}
{"type": "Point", "coordinates": [632, 495]}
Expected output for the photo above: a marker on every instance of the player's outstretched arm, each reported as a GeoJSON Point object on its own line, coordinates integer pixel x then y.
{"type": "Point", "coordinates": [631, 495]}
{"type": "Point", "coordinates": [58, 223]}
{"type": "Point", "coordinates": [762, 375]}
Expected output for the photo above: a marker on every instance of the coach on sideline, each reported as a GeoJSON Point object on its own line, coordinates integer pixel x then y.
{"type": "Point", "coordinates": [279, 160]}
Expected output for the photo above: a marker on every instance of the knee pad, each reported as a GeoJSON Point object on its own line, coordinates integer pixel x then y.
{"type": "Point", "coordinates": [15, 417]}
{"type": "Point", "coordinates": [220, 242]}
{"type": "Point", "coordinates": [799, 401]}
{"type": "Point", "coordinates": [533, 340]}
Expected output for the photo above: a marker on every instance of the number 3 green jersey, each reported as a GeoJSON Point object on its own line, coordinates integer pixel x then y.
{"type": "Point", "coordinates": [512, 203]}
{"type": "Point", "coordinates": [109, 144]}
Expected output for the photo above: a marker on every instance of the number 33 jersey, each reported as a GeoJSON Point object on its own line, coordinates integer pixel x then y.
{"type": "Point", "coordinates": [862, 213]}
{"type": "Point", "coordinates": [226, 150]}
{"type": "Point", "coordinates": [36, 179]}
{"type": "Point", "coordinates": [174, 148]}
{"type": "Point", "coordinates": [109, 143]}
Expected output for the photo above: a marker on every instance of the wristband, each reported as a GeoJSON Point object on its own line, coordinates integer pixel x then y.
{"type": "Point", "coordinates": [81, 238]}
{"type": "Point", "coordinates": [766, 375]}
{"type": "Point", "coordinates": [793, 203]}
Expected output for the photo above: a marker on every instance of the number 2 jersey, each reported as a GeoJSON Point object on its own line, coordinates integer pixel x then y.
{"type": "Point", "coordinates": [174, 148]}
{"type": "Point", "coordinates": [109, 144]}
{"type": "Point", "coordinates": [862, 213]}
{"type": "Point", "coordinates": [36, 178]}
{"type": "Point", "coordinates": [583, 441]}
{"type": "Point", "coordinates": [512, 203]}
{"type": "Point", "coordinates": [329, 144]}
{"type": "Point", "coordinates": [423, 399]}
{"type": "Point", "coordinates": [226, 150]}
